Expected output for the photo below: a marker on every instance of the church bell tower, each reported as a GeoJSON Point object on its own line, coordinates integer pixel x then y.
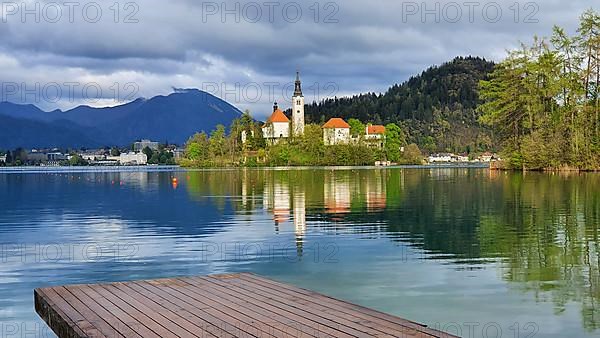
{"type": "Point", "coordinates": [298, 108]}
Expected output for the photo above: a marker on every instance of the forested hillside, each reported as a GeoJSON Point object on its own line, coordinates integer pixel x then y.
{"type": "Point", "coordinates": [437, 109]}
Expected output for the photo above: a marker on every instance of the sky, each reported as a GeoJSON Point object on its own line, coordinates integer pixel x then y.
{"type": "Point", "coordinates": [59, 54]}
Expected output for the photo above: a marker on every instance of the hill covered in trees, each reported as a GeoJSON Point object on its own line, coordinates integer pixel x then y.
{"type": "Point", "coordinates": [437, 109]}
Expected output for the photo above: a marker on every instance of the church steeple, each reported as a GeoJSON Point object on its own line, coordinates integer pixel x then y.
{"type": "Point", "coordinates": [298, 86]}
{"type": "Point", "coordinates": [298, 108]}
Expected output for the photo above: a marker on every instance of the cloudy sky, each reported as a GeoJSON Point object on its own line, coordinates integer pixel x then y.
{"type": "Point", "coordinates": [62, 54]}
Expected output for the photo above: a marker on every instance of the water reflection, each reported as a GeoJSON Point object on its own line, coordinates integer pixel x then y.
{"type": "Point", "coordinates": [527, 242]}
{"type": "Point", "coordinates": [542, 229]}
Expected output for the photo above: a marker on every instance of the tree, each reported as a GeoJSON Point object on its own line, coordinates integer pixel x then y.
{"type": "Point", "coordinates": [197, 149]}
{"type": "Point", "coordinates": [357, 128]}
{"type": "Point", "coordinates": [77, 161]}
{"type": "Point", "coordinates": [149, 152]}
{"type": "Point", "coordinates": [412, 155]}
{"type": "Point", "coordinates": [115, 152]}
{"type": "Point", "coordinates": [394, 140]}
{"type": "Point", "coordinates": [217, 141]}
{"type": "Point", "coordinates": [542, 100]}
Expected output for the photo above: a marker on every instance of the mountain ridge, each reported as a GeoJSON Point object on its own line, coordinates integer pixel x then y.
{"type": "Point", "coordinates": [173, 118]}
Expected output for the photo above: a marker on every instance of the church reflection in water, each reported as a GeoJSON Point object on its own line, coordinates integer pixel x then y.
{"type": "Point", "coordinates": [286, 196]}
{"type": "Point", "coordinates": [541, 231]}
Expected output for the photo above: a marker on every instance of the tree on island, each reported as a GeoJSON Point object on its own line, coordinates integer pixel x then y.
{"type": "Point", "coordinates": [394, 141]}
{"type": "Point", "coordinates": [357, 128]}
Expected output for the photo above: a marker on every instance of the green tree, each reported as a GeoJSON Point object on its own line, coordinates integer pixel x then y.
{"type": "Point", "coordinates": [357, 128]}
{"type": "Point", "coordinates": [77, 161]}
{"type": "Point", "coordinates": [542, 100]}
{"type": "Point", "coordinates": [149, 152]}
{"type": "Point", "coordinates": [217, 141]}
{"type": "Point", "coordinates": [115, 151]}
{"type": "Point", "coordinates": [394, 141]}
{"type": "Point", "coordinates": [412, 155]}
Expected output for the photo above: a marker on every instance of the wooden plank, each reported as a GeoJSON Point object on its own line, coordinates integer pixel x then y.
{"type": "Point", "coordinates": [368, 317]}
{"type": "Point", "coordinates": [343, 328]}
{"type": "Point", "coordinates": [228, 305]}
{"type": "Point", "coordinates": [284, 325]}
{"type": "Point", "coordinates": [225, 320]}
{"type": "Point", "coordinates": [141, 318]}
{"type": "Point", "coordinates": [343, 306]}
{"type": "Point", "coordinates": [305, 324]}
{"type": "Point", "coordinates": [52, 309]}
{"type": "Point", "coordinates": [246, 322]}
{"type": "Point", "coordinates": [128, 326]}
{"type": "Point", "coordinates": [186, 311]}
{"type": "Point", "coordinates": [349, 322]}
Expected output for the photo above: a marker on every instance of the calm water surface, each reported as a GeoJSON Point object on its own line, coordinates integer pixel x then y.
{"type": "Point", "coordinates": [473, 252]}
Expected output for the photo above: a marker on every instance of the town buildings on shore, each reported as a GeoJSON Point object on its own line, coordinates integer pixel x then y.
{"type": "Point", "coordinates": [453, 158]}
{"type": "Point", "coordinates": [94, 157]}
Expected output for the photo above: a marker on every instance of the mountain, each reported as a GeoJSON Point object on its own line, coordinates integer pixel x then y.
{"type": "Point", "coordinates": [173, 118]}
{"type": "Point", "coordinates": [437, 109]}
{"type": "Point", "coordinates": [32, 134]}
{"type": "Point", "coordinates": [26, 111]}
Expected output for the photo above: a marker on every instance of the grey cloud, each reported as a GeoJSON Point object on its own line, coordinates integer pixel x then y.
{"type": "Point", "coordinates": [369, 49]}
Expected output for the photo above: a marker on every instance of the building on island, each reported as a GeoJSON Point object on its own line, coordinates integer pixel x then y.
{"type": "Point", "coordinates": [277, 126]}
{"type": "Point", "coordinates": [336, 131]}
{"type": "Point", "coordinates": [298, 108]}
{"type": "Point", "coordinates": [2, 158]}
{"type": "Point", "coordinates": [375, 135]}
{"type": "Point", "coordinates": [141, 145]}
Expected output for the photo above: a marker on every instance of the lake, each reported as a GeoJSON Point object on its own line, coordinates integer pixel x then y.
{"type": "Point", "coordinates": [473, 252]}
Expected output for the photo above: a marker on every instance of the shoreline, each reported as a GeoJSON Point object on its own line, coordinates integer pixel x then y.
{"type": "Point", "coordinates": [501, 166]}
{"type": "Point", "coordinates": [175, 168]}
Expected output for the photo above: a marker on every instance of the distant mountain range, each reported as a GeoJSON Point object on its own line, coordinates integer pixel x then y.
{"type": "Point", "coordinates": [173, 118]}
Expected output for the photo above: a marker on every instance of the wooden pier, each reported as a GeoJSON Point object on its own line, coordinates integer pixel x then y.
{"type": "Point", "coordinates": [233, 305]}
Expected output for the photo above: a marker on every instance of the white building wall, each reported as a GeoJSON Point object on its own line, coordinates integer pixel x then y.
{"type": "Point", "coordinates": [276, 130]}
{"type": "Point", "coordinates": [332, 136]}
{"type": "Point", "coordinates": [133, 158]}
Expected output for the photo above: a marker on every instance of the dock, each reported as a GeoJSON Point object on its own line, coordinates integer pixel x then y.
{"type": "Point", "coordinates": [229, 305]}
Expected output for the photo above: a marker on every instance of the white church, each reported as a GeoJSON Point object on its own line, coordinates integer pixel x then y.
{"type": "Point", "coordinates": [278, 126]}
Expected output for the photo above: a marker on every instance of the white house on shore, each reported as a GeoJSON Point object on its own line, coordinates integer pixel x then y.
{"type": "Point", "coordinates": [133, 159]}
{"type": "Point", "coordinates": [336, 131]}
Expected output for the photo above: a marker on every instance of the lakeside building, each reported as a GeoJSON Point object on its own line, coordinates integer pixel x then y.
{"type": "Point", "coordinates": [2, 158]}
{"type": "Point", "coordinates": [133, 159]}
{"type": "Point", "coordinates": [448, 158]}
{"type": "Point", "coordinates": [93, 156]}
{"type": "Point", "coordinates": [375, 135]}
{"type": "Point", "coordinates": [140, 145]}
{"type": "Point", "coordinates": [336, 131]}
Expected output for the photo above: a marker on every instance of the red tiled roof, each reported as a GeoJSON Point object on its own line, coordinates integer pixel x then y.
{"type": "Point", "coordinates": [371, 130]}
{"type": "Point", "coordinates": [336, 123]}
{"type": "Point", "coordinates": [278, 116]}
